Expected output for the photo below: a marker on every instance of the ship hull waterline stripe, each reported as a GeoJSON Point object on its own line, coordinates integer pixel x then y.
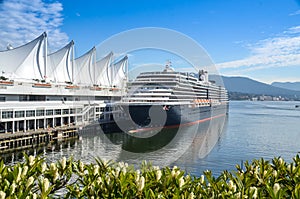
{"type": "Point", "coordinates": [176, 125]}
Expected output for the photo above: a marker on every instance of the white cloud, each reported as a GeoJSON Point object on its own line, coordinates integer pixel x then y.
{"type": "Point", "coordinates": [295, 13]}
{"type": "Point", "coordinates": [293, 30]}
{"type": "Point", "coordinates": [22, 21]}
{"type": "Point", "coordinates": [279, 51]}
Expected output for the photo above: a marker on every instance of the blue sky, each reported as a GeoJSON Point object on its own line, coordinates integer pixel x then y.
{"type": "Point", "coordinates": [259, 39]}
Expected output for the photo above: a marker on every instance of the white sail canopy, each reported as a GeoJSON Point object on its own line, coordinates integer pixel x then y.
{"type": "Point", "coordinates": [101, 70]}
{"type": "Point", "coordinates": [59, 64]}
{"type": "Point", "coordinates": [31, 61]}
{"type": "Point", "coordinates": [25, 61]}
{"type": "Point", "coordinates": [85, 66]}
{"type": "Point", "coordinates": [119, 72]}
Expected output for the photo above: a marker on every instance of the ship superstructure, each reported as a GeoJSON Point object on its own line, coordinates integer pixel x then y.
{"type": "Point", "coordinates": [183, 97]}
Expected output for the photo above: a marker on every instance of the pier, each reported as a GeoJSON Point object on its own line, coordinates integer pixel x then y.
{"type": "Point", "coordinates": [22, 140]}
{"type": "Point", "coordinates": [29, 124]}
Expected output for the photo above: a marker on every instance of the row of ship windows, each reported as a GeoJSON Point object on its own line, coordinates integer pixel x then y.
{"type": "Point", "coordinates": [187, 80]}
{"type": "Point", "coordinates": [169, 82]}
{"type": "Point", "coordinates": [168, 75]}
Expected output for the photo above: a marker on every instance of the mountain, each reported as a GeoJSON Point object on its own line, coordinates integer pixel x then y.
{"type": "Point", "coordinates": [250, 86]}
{"type": "Point", "coordinates": [287, 85]}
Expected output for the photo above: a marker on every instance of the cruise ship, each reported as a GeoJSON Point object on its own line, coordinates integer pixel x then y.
{"type": "Point", "coordinates": [40, 89]}
{"type": "Point", "coordinates": [169, 99]}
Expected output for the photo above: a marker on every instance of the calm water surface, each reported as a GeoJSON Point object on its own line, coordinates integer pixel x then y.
{"type": "Point", "coordinates": [252, 130]}
{"type": "Point", "coordinates": [255, 130]}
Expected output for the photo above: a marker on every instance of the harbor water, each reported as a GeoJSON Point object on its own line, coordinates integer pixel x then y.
{"type": "Point", "coordinates": [252, 130]}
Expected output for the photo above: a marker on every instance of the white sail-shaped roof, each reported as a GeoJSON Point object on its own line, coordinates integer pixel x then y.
{"type": "Point", "coordinates": [102, 72]}
{"type": "Point", "coordinates": [59, 64]}
{"type": "Point", "coordinates": [119, 72]}
{"type": "Point", "coordinates": [25, 61]}
{"type": "Point", "coordinates": [85, 66]}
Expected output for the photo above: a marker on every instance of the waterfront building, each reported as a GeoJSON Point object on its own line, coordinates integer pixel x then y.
{"type": "Point", "coordinates": [42, 90]}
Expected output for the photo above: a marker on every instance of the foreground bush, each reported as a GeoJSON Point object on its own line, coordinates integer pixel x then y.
{"type": "Point", "coordinates": [73, 179]}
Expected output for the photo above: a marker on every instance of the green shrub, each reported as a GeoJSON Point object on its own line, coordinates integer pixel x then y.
{"type": "Point", "coordinates": [34, 178]}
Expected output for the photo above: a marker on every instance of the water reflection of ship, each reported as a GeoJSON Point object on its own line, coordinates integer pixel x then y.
{"type": "Point", "coordinates": [162, 147]}
{"type": "Point", "coordinates": [186, 143]}
{"type": "Point", "coordinates": [204, 142]}
{"type": "Point", "coordinates": [202, 145]}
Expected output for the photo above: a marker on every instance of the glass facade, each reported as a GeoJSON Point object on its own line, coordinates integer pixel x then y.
{"type": "Point", "coordinates": [49, 112]}
{"type": "Point", "coordinates": [19, 114]}
{"type": "Point", "coordinates": [7, 114]}
{"type": "Point", "coordinates": [57, 111]}
{"type": "Point", "coordinates": [40, 112]}
{"type": "Point", "coordinates": [30, 113]}
{"type": "Point", "coordinates": [66, 111]}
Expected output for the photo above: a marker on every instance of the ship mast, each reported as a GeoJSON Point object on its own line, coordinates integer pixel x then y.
{"type": "Point", "coordinates": [168, 64]}
{"type": "Point", "coordinates": [168, 67]}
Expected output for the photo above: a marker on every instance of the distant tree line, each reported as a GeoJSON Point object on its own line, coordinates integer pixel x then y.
{"type": "Point", "coordinates": [249, 96]}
